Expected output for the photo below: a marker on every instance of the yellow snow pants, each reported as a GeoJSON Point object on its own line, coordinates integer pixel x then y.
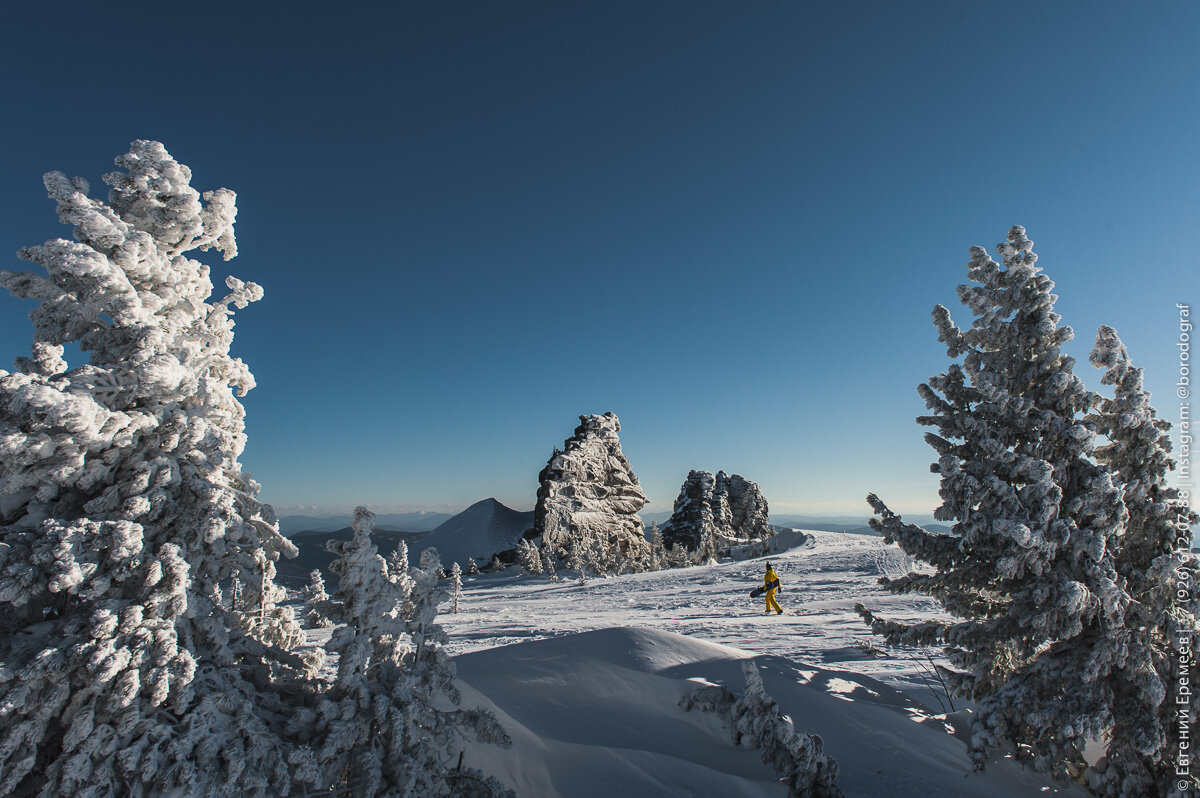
{"type": "Point", "coordinates": [772, 604]}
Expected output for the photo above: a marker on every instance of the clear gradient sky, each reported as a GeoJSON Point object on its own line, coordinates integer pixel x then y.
{"type": "Point", "coordinates": [727, 222]}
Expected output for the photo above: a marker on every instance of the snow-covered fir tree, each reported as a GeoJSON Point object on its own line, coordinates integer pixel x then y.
{"type": "Point", "coordinates": [381, 731]}
{"type": "Point", "coordinates": [706, 552]}
{"type": "Point", "coordinates": [1152, 555]}
{"type": "Point", "coordinates": [755, 720]}
{"type": "Point", "coordinates": [316, 601]}
{"type": "Point", "coordinates": [472, 567]}
{"type": "Point", "coordinates": [576, 560]}
{"type": "Point", "coordinates": [529, 557]}
{"type": "Point", "coordinates": [398, 561]}
{"type": "Point", "coordinates": [658, 551]}
{"type": "Point", "coordinates": [1028, 566]}
{"type": "Point", "coordinates": [126, 516]}
{"type": "Point", "coordinates": [431, 561]}
{"type": "Point", "coordinates": [548, 566]}
{"type": "Point", "coordinates": [679, 557]}
{"type": "Point", "coordinates": [455, 586]}
{"type": "Point", "coordinates": [428, 682]}
{"type": "Point", "coordinates": [359, 750]}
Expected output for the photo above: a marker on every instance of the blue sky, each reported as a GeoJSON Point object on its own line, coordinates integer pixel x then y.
{"type": "Point", "coordinates": [726, 222]}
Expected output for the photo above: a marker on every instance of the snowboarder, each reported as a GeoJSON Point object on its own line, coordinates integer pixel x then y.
{"type": "Point", "coordinates": [771, 584]}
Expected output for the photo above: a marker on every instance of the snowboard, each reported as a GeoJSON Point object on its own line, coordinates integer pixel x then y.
{"type": "Point", "coordinates": [758, 591]}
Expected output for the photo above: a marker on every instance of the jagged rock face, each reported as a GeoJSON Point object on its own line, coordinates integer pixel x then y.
{"type": "Point", "coordinates": [731, 507]}
{"type": "Point", "coordinates": [588, 490]}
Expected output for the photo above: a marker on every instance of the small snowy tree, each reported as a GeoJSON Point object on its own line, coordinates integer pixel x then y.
{"type": "Point", "coordinates": [678, 556]}
{"type": "Point", "coordinates": [359, 749]}
{"type": "Point", "coordinates": [316, 601]}
{"type": "Point", "coordinates": [576, 560]}
{"type": "Point", "coordinates": [472, 567]}
{"type": "Point", "coordinates": [529, 557]}
{"type": "Point", "coordinates": [456, 591]}
{"type": "Point", "coordinates": [430, 733]}
{"type": "Point", "coordinates": [706, 553]}
{"type": "Point", "coordinates": [125, 516]}
{"type": "Point", "coordinates": [548, 566]}
{"type": "Point", "coordinates": [398, 562]}
{"type": "Point", "coordinates": [1152, 555]}
{"type": "Point", "coordinates": [1028, 563]}
{"type": "Point", "coordinates": [431, 561]}
{"type": "Point", "coordinates": [380, 729]}
{"type": "Point", "coordinates": [755, 719]}
{"type": "Point", "coordinates": [658, 551]}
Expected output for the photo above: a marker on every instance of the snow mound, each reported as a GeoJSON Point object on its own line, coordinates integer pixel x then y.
{"type": "Point", "coordinates": [597, 714]}
{"type": "Point", "coordinates": [481, 530]}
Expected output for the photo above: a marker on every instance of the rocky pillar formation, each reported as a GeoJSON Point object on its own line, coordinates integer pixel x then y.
{"type": "Point", "coordinates": [588, 493]}
{"type": "Point", "coordinates": [747, 507]}
{"type": "Point", "coordinates": [731, 508]}
{"type": "Point", "coordinates": [693, 513]}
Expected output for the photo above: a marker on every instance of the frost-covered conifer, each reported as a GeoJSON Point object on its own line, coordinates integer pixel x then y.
{"type": "Point", "coordinates": [678, 556]}
{"type": "Point", "coordinates": [431, 733]}
{"type": "Point", "coordinates": [431, 561]}
{"type": "Point", "coordinates": [125, 515]}
{"type": "Point", "coordinates": [529, 557]}
{"type": "Point", "coordinates": [706, 553]}
{"type": "Point", "coordinates": [358, 748]}
{"type": "Point", "coordinates": [1150, 555]}
{"type": "Point", "coordinates": [548, 566]}
{"type": "Point", "coordinates": [398, 561]}
{"type": "Point", "coordinates": [316, 601]}
{"type": "Point", "coordinates": [455, 586]}
{"type": "Point", "coordinates": [472, 567]}
{"type": "Point", "coordinates": [380, 730]}
{"type": "Point", "coordinates": [497, 564]}
{"type": "Point", "coordinates": [658, 551]}
{"type": "Point", "coordinates": [755, 719]}
{"type": "Point", "coordinates": [1028, 564]}
{"type": "Point", "coordinates": [576, 560]}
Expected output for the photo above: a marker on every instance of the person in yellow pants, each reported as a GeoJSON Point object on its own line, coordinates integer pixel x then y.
{"type": "Point", "coordinates": [768, 579]}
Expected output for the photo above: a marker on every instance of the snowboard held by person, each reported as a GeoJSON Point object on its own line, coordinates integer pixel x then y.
{"type": "Point", "coordinates": [771, 584]}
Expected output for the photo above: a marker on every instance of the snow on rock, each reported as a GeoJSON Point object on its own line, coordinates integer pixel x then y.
{"type": "Point", "coordinates": [731, 509]}
{"type": "Point", "coordinates": [480, 531]}
{"type": "Point", "coordinates": [588, 492]}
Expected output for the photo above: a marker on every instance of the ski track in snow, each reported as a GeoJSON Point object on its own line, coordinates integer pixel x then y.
{"type": "Point", "coordinates": [820, 585]}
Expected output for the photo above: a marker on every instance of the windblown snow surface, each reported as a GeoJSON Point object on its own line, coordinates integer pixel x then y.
{"type": "Point", "coordinates": [587, 680]}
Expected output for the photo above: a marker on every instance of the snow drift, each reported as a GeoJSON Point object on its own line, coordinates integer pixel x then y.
{"type": "Point", "coordinates": [596, 714]}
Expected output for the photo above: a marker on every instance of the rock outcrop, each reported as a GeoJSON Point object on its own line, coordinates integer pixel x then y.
{"type": "Point", "coordinates": [588, 494]}
{"type": "Point", "coordinates": [730, 508]}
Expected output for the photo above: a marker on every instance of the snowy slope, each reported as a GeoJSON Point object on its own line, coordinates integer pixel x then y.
{"type": "Point", "coordinates": [821, 583]}
{"type": "Point", "coordinates": [587, 680]}
{"type": "Point", "coordinates": [596, 714]}
{"type": "Point", "coordinates": [479, 531]}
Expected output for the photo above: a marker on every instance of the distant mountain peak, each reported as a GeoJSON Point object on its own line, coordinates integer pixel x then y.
{"type": "Point", "coordinates": [485, 528]}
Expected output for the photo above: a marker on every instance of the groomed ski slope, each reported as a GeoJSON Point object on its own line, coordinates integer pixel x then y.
{"type": "Point", "coordinates": [587, 680]}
